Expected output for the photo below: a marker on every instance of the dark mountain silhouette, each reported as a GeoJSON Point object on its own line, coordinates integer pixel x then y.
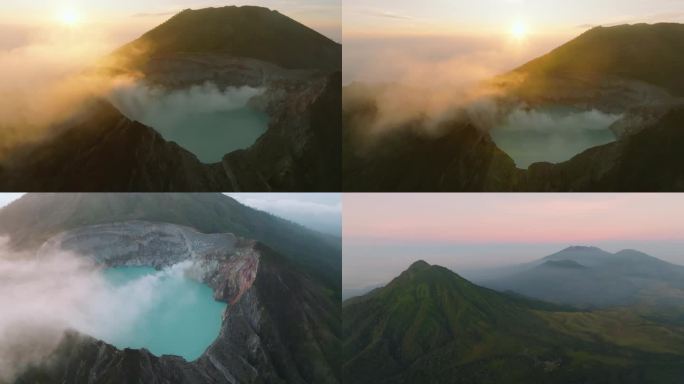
{"type": "Point", "coordinates": [643, 52]}
{"type": "Point", "coordinates": [247, 31]}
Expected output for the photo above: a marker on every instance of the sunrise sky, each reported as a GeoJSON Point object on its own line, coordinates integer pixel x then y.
{"type": "Point", "coordinates": [388, 40]}
{"type": "Point", "coordinates": [119, 21]}
{"type": "Point", "coordinates": [385, 233]}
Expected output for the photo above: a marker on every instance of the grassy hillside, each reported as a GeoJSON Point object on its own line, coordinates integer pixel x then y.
{"type": "Point", "coordinates": [431, 326]}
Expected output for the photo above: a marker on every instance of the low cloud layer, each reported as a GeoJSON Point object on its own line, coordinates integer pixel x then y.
{"type": "Point", "coordinates": [432, 78]}
{"type": "Point", "coordinates": [43, 297]}
{"type": "Point", "coordinates": [43, 78]}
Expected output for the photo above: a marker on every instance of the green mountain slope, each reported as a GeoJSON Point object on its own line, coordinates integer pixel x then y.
{"type": "Point", "coordinates": [248, 31]}
{"type": "Point", "coordinates": [35, 217]}
{"type": "Point", "coordinates": [429, 325]}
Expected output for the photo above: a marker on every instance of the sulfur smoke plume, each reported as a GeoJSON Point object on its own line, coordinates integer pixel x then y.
{"type": "Point", "coordinates": [42, 297]}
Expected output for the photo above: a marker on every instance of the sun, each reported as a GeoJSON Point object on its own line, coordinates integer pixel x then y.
{"type": "Point", "coordinates": [518, 30]}
{"type": "Point", "coordinates": [69, 17]}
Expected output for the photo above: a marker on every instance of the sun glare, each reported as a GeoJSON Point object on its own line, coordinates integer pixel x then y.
{"type": "Point", "coordinates": [519, 30]}
{"type": "Point", "coordinates": [69, 17]}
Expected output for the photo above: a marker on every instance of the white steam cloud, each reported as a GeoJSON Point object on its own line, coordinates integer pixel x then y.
{"type": "Point", "coordinates": [544, 121]}
{"type": "Point", "coordinates": [43, 297]}
{"type": "Point", "coordinates": [142, 102]}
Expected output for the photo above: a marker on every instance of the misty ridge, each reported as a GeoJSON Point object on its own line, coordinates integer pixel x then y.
{"type": "Point", "coordinates": [45, 295]}
{"type": "Point", "coordinates": [432, 79]}
{"type": "Point", "coordinates": [142, 102]}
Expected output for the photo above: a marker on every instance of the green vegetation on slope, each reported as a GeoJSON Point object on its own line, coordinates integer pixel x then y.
{"type": "Point", "coordinates": [431, 326]}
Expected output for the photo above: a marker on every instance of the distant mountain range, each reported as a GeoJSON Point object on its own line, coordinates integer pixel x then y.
{"type": "Point", "coordinates": [632, 70]}
{"type": "Point", "coordinates": [429, 325]}
{"type": "Point", "coordinates": [99, 149]}
{"type": "Point", "coordinates": [591, 277]}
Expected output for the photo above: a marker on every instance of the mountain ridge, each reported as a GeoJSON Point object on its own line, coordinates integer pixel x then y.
{"type": "Point", "coordinates": [597, 279]}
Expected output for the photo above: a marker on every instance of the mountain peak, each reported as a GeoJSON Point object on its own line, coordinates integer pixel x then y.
{"type": "Point", "coordinates": [581, 248]}
{"type": "Point", "coordinates": [240, 32]}
{"type": "Point", "coordinates": [419, 265]}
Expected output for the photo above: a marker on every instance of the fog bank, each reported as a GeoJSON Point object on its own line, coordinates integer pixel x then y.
{"type": "Point", "coordinates": [43, 297]}
{"type": "Point", "coordinates": [43, 78]}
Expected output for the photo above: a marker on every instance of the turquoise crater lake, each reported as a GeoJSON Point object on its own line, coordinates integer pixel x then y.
{"type": "Point", "coordinates": [168, 314]}
{"type": "Point", "coordinates": [552, 134]}
{"type": "Point", "coordinates": [205, 120]}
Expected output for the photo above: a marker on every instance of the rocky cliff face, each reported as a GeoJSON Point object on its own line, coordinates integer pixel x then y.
{"type": "Point", "coordinates": [280, 326]}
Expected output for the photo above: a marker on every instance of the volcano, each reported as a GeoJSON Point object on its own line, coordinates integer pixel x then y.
{"type": "Point", "coordinates": [620, 84]}
{"type": "Point", "coordinates": [280, 283]}
{"type": "Point", "coordinates": [239, 99]}
{"type": "Point", "coordinates": [429, 325]}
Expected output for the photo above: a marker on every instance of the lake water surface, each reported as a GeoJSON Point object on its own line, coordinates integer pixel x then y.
{"type": "Point", "coordinates": [205, 120]}
{"type": "Point", "coordinates": [552, 134]}
{"type": "Point", "coordinates": [174, 315]}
